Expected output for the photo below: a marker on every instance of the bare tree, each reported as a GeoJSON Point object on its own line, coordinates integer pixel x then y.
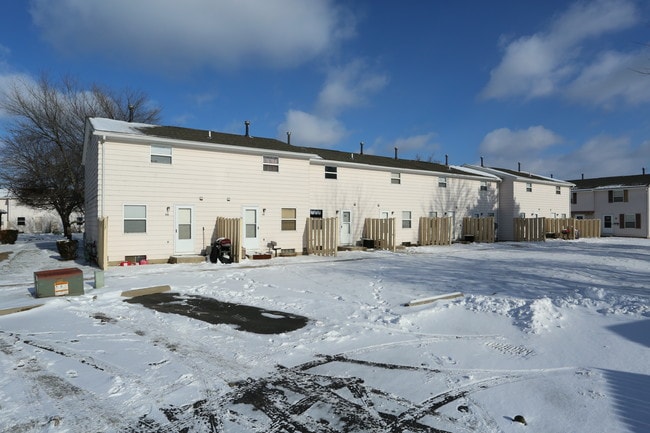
{"type": "Point", "coordinates": [41, 150]}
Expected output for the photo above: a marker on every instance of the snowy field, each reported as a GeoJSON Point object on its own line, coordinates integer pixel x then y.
{"type": "Point", "coordinates": [556, 332]}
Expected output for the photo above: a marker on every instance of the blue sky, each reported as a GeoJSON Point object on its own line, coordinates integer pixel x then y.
{"type": "Point", "coordinates": [553, 85]}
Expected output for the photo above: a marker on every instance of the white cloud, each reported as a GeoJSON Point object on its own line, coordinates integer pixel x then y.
{"type": "Point", "coordinates": [348, 86]}
{"type": "Point", "coordinates": [504, 141]}
{"type": "Point", "coordinates": [310, 130]}
{"type": "Point", "coordinates": [613, 76]}
{"type": "Point", "coordinates": [420, 146]}
{"type": "Point", "coordinates": [544, 63]}
{"type": "Point", "coordinates": [599, 156]}
{"type": "Point", "coordinates": [194, 33]}
{"type": "Point", "coordinates": [345, 87]}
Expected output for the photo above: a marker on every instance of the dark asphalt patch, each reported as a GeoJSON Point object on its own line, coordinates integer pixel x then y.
{"type": "Point", "coordinates": [210, 310]}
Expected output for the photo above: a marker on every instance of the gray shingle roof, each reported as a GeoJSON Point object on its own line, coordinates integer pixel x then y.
{"type": "Point", "coordinates": [613, 181]}
{"type": "Point", "coordinates": [205, 136]}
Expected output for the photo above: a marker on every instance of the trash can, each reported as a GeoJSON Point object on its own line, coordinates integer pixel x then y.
{"type": "Point", "coordinates": [59, 282]}
{"type": "Point", "coordinates": [221, 251]}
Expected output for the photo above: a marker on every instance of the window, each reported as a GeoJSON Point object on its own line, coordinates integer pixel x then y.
{"type": "Point", "coordinates": [630, 221]}
{"type": "Point", "coordinates": [574, 198]}
{"type": "Point", "coordinates": [558, 190]}
{"type": "Point", "coordinates": [330, 172]}
{"type": "Point", "coordinates": [20, 221]}
{"type": "Point", "coordinates": [406, 219]}
{"type": "Point", "coordinates": [522, 215]}
{"type": "Point", "coordinates": [271, 163]}
{"type": "Point", "coordinates": [529, 187]}
{"type": "Point", "coordinates": [617, 195]}
{"type": "Point", "coordinates": [161, 154]}
{"type": "Point", "coordinates": [433, 214]}
{"type": "Point", "coordinates": [135, 219]}
{"type": "Point", "coordinates": [442, 182]}
{"type": "Point", "coordinates": [484, 186]}
{"type": "Point", "coordinates": [288, 219]}
{"type": "Point", "coordinates": [395, 178]}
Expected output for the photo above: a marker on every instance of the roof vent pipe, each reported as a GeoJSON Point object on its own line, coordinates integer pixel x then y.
{"type": "Point", "coordinates": [361, 148]}
{"type": "Point", "coordinates": [481, 161]}
{"type": "Point", "coordinates": [248, 124]}
{"type": "Point", "coordinates": [643, 170]}
{"type": "Point", "coordinates": [131, 111]}
{"type": "Point", "coordinates": [583, 176]}
{"type": "Point", "coordinates": [446, 159]}
{"type": "Point", "coordinates": [519, 166]}
{"type": "Point", "coordinates": [288, 137]}
{"type": "Point", "coordinates": [396, 152]}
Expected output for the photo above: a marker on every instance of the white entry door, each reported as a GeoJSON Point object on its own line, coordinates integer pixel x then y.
{"type": "Point", "coordinates": [251, 228]}
{"type": "Point", "coordinates": [608, 229]}
{"type": "Point", "coordinates": [184, 230]}
{"type": "Point", "coordinates": [346, 227]}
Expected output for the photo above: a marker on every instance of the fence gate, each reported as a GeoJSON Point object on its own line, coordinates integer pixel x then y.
{"type": "Point", "coordinates": [566, 227]}
{"type": "Point", "coordinates": [102, 243]}
{"type": "Point", "coordinates": [322, 236]}
{"type": "Point", "coordinates": [231, 228]}
{"type": "Point", "coordinates": [435, 231]}
{"type": "Point", "coordinates": [380, 230]}
{"type": "Point", "coordinates": [480, 229]}
{"type": "Point", "coordinates": [529, 229]}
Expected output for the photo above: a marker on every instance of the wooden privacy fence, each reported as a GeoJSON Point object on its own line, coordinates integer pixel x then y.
{"type": "Point", "coordinates": [529, 229]}
{"type": "Point", "coordinates": [231, 228]}
{"type": "Point", "coordinates": [435, 231]}
{"type": "Point", "coordinates": [322, 236]}
{"type": "Point", "coordinates": [102, 243]}
{"type": "Point", "coordinates": [381, 231]}
{"type": "Point", "coordinates": [479, 229]}
{"type": "Point", "coordinates": [566, 227]}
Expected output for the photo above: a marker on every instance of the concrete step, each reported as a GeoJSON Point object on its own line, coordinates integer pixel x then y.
{"type": "Point", "coordinates": [187, 259]}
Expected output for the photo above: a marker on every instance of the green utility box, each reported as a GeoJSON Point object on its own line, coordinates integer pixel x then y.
{"type": "Point", "coordinates": [59, 282]}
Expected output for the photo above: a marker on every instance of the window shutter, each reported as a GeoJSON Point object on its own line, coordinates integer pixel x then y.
{"type": "Point", "coordinates": [610, 196]}
{"type": "Point", "coordinates": [638, 220]}
{"type": "Point", "coordinates": [621, 221]}
{"type": "Point", "coordinates": [625, 195]}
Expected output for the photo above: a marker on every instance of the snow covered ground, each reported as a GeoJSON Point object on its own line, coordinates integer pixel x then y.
{"type": "Point", "coordinates": [556, 332]}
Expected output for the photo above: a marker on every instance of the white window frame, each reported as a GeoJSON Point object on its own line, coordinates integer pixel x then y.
{"type": "Point", "coordinates": [618, 196]}
{"type": "Point", "coordinates": [484, 186]}
{"type": "Point", "coordinates": [630, 221]}
{"type": "Point", "coordinates": [21, 221]}
{"type": "Point", "coordinates": [289, 219]}
{"type": "Point", "coordinates": [331, 172]}
{"type": "Point", "coordinates": [125, 218]}
{"type": "Point", "coordinates": [406, 219]}
{"type": "Point", "coordinates": [395, 178]}
{"type": "Point", "coordinates": [271, 163]}
{"type": "Point", "coordinates": [161, 154]}
{"type": "Point", "coordinates": [442, 181]}
{"type": "Point", "coordinates": [529, 187]}
{"type": "Point", "coordinates": [558, 190]}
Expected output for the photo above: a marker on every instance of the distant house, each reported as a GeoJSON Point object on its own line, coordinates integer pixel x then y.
{"type": "Point", "coordinates": [25, 219]}
{"type": "Point", "coordinates": [622, 203]}
{"type": "Point", "coordinates": [163, 187]}
{"type": "Point", "coordinates": [527, 195]}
